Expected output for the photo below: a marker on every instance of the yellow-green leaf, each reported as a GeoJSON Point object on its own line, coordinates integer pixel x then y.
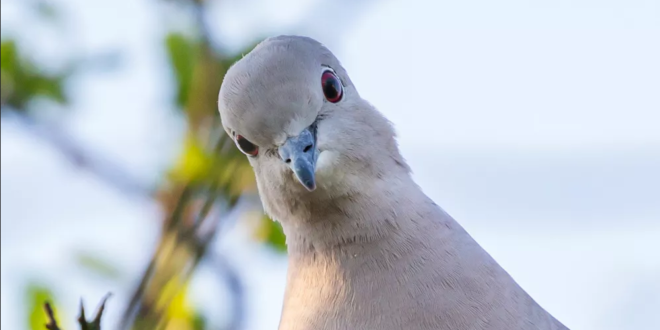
{"type": "Point", "coordinates": [270, 232]}
{"type": "Point", "coordinates": [98, 265]}
{"type": "Point", "coordinates": [194, 164]}
{"type": "Point", "coordinates": [180, 313]}
{"type": "Point", "coordinates": [182, 53]}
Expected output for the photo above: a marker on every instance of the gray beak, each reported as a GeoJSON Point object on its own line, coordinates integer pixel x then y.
{"type": "Point", "coordinates": [300, 154]}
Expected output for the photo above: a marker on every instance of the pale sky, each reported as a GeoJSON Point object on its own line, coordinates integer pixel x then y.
{"type": "Point", "coordinates": [533, 123]}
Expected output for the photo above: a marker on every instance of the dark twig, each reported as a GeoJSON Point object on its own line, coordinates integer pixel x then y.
{"type": "Point", "coordinates": [52, 322]}
{"type": "Point", "coordinates": [82, 320]}
{"type": "Point", "coordinates": [95, 324]}
{"type": "Point", "coordinates": [100, 310]}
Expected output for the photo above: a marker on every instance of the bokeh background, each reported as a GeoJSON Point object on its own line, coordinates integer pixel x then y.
{"type": "Point", "coordinates": [534, 123]}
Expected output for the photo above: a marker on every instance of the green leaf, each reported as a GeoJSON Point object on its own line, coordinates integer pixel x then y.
{"type": "Point", "coordinates": [98, 265]}
{"type": "Point", "coordinates": [271, 233]}
{"type": "Point", "coordinates": [199, 322]}
{"type": "Point", "coordinates": [182, 53]}
{"type": "Point", "coordinates": [8, 55]}
{"type": "Point", "coordinates": [48, 87]}
{"type": "Point", "coordinates": [46, 10]}
{"type": "Point", "coordinates": [7, 69]}
{"type": "Point", "coordinates": [276, 238]}
{"type": "Point", "coordinates": [194, 164]}
{"type": "Point", "coordinates": [22, 81]}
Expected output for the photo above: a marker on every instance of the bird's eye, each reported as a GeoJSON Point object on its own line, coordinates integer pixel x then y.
{"type": "Point", "coordinates": [332, 87]}
{"type": "Point", "coordinates": [246, 146]}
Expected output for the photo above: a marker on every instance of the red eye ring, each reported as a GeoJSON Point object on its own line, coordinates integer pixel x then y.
{"type": "Point", "coordinates": [332, 86]}
{"type": "Point", "coordinates": [246, 146]}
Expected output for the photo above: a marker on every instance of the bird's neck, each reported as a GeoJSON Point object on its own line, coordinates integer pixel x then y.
{"type": "Point", "coordinates": [390, 252]}
{"type": "Point", "coordinates": [386, 212]}
{"type": "Point", "coordinates": [395, 244]}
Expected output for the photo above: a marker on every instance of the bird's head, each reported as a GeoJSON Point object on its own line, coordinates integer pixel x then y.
{"type": "Point", "coordinates": [292, 109]}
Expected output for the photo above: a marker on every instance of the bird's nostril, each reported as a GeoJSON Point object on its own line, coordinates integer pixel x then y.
{"type": "Point", "coordinates": [307, 148]}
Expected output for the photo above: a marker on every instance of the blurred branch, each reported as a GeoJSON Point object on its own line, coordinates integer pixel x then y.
{"type": "Point", "coordinates": [226, 271]}
{"type": "Point", "coordinates": [106, 170]}
{"type": "Point", "coordinates": [209, 184]}
{"type": "Point", "coordinates": [183, 244]}
{"type": "Point", "coordinates": [210, 170]}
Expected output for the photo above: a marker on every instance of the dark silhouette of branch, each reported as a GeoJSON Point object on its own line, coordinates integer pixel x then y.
{"type": "Point", "coordinates": [95, 324]}
{"type": "Point", "coordinates": [52, 322]}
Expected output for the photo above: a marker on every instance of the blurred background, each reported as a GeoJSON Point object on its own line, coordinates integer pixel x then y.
{"type": "Point", "coordinates": [534, 123]}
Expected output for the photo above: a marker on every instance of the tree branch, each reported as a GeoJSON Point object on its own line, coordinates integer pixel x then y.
{"type": "Point", "coordinates": [104, 169]}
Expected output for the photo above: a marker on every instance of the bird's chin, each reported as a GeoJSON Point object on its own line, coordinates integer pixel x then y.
{"type": "Point", "coordinates": [331, 177]}
{"type": "Point", "coordinates": [329, 172]}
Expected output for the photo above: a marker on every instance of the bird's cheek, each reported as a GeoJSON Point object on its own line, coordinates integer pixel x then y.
{"type": "Point", "coordinates": [328, 168]}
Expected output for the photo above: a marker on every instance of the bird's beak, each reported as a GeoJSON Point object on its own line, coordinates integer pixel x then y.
{"type": "Point", "coordinates": [300, 153]}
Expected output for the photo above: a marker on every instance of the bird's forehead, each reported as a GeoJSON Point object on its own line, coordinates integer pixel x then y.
{"type": "Point", "coordinates": [271, 94]}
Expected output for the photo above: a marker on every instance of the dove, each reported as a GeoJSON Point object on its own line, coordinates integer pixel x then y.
{"type": "Point", "coordinates": [367, 249]}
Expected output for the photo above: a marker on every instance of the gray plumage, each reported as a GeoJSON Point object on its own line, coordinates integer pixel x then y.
{"type": "Point", "coordinates": [367, 248]}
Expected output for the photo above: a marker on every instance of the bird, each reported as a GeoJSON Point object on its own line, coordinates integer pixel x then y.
{"type": "Point", "coordinates": [366, 248]}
